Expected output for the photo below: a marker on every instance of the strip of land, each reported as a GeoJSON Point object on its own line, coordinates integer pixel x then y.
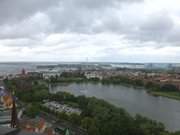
{"type": "Point", "coordinates": [171, 95]}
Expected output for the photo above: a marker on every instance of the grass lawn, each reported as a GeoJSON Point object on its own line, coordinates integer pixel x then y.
{"type": "Point", "coordinates": [172, 95]}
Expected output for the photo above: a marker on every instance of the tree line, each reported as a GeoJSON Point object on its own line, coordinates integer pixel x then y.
{"type": "Point", "coordinates": [98, 117]}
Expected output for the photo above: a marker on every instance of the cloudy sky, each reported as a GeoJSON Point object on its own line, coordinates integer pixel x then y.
{"type": "Point", "coordinates": [97, 30]}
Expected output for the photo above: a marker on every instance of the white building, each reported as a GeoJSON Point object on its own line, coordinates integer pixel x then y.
{"type": "Point", "coordinates": [91, 75]}
{"type": "Point", "coordinates": [55, 106]}
{"type": "Point", "coordinates": [49, 74]}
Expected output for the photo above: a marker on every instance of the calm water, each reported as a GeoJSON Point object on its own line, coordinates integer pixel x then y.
{"type": "Point", "coordinates": [133, 100]}
{"type": "Point", "coordinates": [16, 67]}
{"type": "Point", "coordinates": [13, 68]}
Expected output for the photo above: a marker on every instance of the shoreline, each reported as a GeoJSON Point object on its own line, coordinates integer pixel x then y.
{"type": "Point", "coordinates": [170, 95]}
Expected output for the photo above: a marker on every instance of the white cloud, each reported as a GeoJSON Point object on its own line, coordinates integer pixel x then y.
{"type": "Point", "coordinates": [104, 30]}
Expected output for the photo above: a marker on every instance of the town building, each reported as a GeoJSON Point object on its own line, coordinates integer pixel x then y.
{"type": "Point", "coordinates": [5, 105]}
{"type": "Point", "coordinates": [35, 74]}
{"type": "Point", "coordinates": [57, 107]}
{"type": "Point", "coordinates": [14, 131]}
{"type": "Point", "coordinates": [93, 75]}
{"type": "Point", "coordinates": [49, 74]}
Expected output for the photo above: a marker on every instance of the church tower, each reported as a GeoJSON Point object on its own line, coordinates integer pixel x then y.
{"type": "Point", "coordinates": [14, 119]}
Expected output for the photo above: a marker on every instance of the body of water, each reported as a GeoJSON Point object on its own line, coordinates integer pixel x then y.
{"type": "Point", "coordinates": [16, 67]}
{"type": "Point", "coordinates": [13, 67]}
{"type": "Point", "coordinates": [135, 101]}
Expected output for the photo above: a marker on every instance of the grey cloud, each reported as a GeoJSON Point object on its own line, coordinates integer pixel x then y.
{"type": "Point", "coordinates": [12, 11]}
{"type": "Point", "coordinates": [156, 27]}
{"type": "Point", "coordinates": [70, 20]}
{"type": "Point", "coordinates": [96, 4]}
{"type": "Point", "coordinates": [159, 28]}
{"type": "Point", "coordinates": [81, 16]}
{"type": "Point", "coordinates": [15, 10]}
{"type": "Point", "coordinates": [74, 16]}
{"type": "Point", "coordinates": [36, 25]}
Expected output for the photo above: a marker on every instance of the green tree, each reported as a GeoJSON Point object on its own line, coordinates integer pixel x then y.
{"type": "Point", "coordinates": [75, 119]}
{"type": "Point", "coordinates": [32, 110]}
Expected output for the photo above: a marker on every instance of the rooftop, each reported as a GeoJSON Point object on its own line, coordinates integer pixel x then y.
{"type": "Point", "coordinates": [11, 131]}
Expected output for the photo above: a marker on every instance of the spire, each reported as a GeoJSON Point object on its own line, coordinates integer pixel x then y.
{"type": "Point", "coordinates": [23, 72]}
{"type": "Point", "coordinates": [67, 132]}
{"type": "Point", "coordinates": [14, 120]}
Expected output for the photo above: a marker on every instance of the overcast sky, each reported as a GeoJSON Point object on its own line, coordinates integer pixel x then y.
{"type": "Point", "coordinates": [97, 30]}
